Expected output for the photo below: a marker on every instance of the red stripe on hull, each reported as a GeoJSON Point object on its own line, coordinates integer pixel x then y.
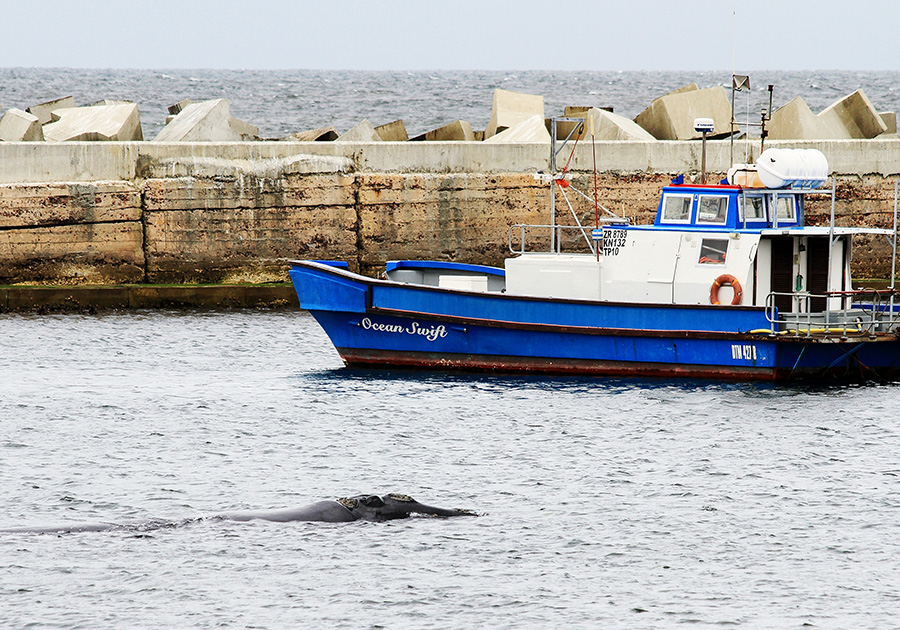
{"type": "Point", "coordinates": [356, 357]}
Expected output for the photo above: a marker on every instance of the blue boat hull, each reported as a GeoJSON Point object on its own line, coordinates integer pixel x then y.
{"type": "Point", "coordinates": [379, 323]}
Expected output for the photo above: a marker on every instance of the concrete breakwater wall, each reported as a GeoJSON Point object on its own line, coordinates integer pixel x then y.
{"type": "Point", "coordinates": [138, 212]}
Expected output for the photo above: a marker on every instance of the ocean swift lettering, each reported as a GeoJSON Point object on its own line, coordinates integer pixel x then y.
{"type": "Point", "coordinates": [430, 333]}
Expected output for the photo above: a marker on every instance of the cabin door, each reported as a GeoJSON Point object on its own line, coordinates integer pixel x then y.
{"type": "Point", "coordinates": [817, 272]}
{"type": "Point", "coordinates": [782, 278]}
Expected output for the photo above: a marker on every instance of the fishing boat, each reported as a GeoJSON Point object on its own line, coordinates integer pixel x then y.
{"type": "Point", "coordinates": [727, 283]}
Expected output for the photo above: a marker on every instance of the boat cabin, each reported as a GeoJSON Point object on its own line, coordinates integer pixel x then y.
{"type": "Point", "coordinates": [740, 242]}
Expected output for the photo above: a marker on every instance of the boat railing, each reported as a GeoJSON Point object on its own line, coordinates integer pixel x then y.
{"type": "Point", "coordinates": [580, 238]}
{"type": "Point", "coordinates": [861, 312]}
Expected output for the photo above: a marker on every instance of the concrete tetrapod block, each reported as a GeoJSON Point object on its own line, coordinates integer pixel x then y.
{"type": "Point", "coordinates": [796, 121]}
{"type": "Point", "coordinates": [20, 126]}
{"type": "Point", "coordinates": [610, 126]}
{"type": "Point", "coordinates": [854, 116]}
{"type": "Point", "coordinates": [206, 121]}
{"type": "Point", "coordinates": [564, 128]}
{"type": "Point", "coordinates": [890, 121]}
{"type": "Point", "coordinates": [363, 132]}
{"type": "Point", "coordinates": [392, 132]}
{"type": "Point", "coordinates": [177, 108]}
{"type": "Point", "coordinates": [671, 117]}
{"type": "Point", "coordinates": [529, 130]}
{"type": "Point", "coordinates": [43, 110]}
{"type": "Point", "coordinates": [107, 101]}
{"type": "Point", "coordinates": [458, 130]}
{"type": "Point", "coordinates": [322, 134]}
{"type": "Point", "coordinates": [120, 122]}
{"type": "Point", "coordinates": [511, 108]}
{"type": "Point", "coordinates": [247, 131]}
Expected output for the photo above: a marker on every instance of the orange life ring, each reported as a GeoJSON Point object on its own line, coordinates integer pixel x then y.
{"type": "Point", "coordinates": [726, 279]}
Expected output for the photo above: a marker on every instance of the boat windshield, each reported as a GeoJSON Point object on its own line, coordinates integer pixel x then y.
{"type": "Point", "coordinates": [712, 209]}
{"type": "Point", "coordinates": [786, 208]}
{"type": "Point", "coordinates": [753, 208]}
{"type": "Point", "coordinates": [677, 208]}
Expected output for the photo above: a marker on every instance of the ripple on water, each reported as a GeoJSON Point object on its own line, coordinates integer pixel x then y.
{"type": "Point", "coordinates": [623, 503]}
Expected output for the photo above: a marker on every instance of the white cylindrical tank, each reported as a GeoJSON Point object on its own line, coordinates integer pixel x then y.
{"type": "Point", "coordinates": [796, 168]}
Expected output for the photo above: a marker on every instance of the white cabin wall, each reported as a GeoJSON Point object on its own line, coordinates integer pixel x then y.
{"type": "Point", "coordinates": [640, 267]}
{"type": "Point", "coordinates": [694, 280]}
{"type": "Point", "coordinates": [563, 276]}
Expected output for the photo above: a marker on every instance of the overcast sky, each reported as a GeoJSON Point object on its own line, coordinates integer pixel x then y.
{"type": "Point", "coordinates": [456, 34]}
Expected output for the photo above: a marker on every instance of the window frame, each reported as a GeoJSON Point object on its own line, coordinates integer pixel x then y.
{"type": "Point", "coordinates": [742, 209]}
{"type": "Point", "coordinates": [719, 198]}
{"type": "Point", "coordinates": [716, 239]}
{"type": "Point", "coordinates": [792, 218]}
{"type": "Point", "coordinates": [689, 197]}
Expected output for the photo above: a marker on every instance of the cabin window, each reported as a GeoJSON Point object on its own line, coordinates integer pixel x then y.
{"type": "Point", "coordinates": [786, 209]}
{"type": "Point", "coordinates": [753, 208]}
{"type": "Point", "coordinates": [713, 250]}
{"type": "Point", "coordinates": [712, 209]}
{"type": "Point", "coordinates": [677, 208]}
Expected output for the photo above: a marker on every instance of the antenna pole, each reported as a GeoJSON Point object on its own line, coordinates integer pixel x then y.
{"type": "Point", "coordinates": [731, 135]}
{"type": "Point", "coordinates": [552, 185]}
{"type": "Point", "coordinates": [894, 254]}
{"type": "Point", "coordinates": [703, 161]}
{"type": "Point", "coordinates": [766, 116]}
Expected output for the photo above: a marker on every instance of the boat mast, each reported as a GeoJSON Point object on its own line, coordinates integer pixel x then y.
{"type": "Point", "coordinates": [553, 185]}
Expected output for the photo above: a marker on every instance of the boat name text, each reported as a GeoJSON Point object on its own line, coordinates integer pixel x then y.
{"type": "Point", "coordinates": [431, 333]}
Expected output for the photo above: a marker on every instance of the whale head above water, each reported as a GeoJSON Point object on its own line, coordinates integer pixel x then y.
{"type": "Point", "coordinates": [371, 507]}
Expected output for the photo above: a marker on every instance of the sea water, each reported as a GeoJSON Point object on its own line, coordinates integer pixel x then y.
{"type": "Point", "coordinates": [610, 503]}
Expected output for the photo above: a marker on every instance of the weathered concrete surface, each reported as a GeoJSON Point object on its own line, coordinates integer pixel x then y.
{"type": "Point", "coordinates": [457, 131]}
{"type": "Point", "coordinates": [178, 107]}
{"type": "Point", "coordinates": [209, 219]}
{"type": "Point", "coordinates": [671, 116]}
{"type": "Point", "coordinates": [79, 232]}
{"type": "Point", "coordinates": [511, 108]}
{"type": "Point", "coordinates": [206, 121]}
{"type": "Point", "coordinates": [117, 122]}
{"type": "Point", "coordinates": [44, 111]}
{"type": "Point", "coordinates": [362, 132]}
{"type": "Point", "coordinates": [890, 121]}
{"type": "Point", "coordinates": [209, 212]}
{"type": "Point", "coordinates": [20, 126]}
{"type": "Point", "coordinates": [531, 129]}
{"type": "Point", "coordinates": [247, 131]}
{"type": "Point", "coordinates": [44, 205]}
{"type": "Point", "coordinates": [854, 116]}
{"type": "Point", "coordinates": [110, 161]}
{"type": "Point", "coordinates": [609, 126]}
{"type": "Point", "coordinates": [322, 134]}
{"type": "Point", "coordinates": [94, 253]}
{"type": "Point", "coordinates": [392, 132]}
{"type": "Point", "coordinates": [796, 121]}
{"type": "Point", "coordinates": [444, 217]}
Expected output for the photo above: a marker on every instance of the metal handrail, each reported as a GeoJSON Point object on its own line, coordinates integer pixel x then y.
{"type": "Point", "coordinates": [585, 231]}
{"type": "Point", "coordinates": [868, 317]}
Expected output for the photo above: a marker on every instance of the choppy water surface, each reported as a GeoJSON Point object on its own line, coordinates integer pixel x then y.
{"type": "Point", "coordinates": [607, 503]}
